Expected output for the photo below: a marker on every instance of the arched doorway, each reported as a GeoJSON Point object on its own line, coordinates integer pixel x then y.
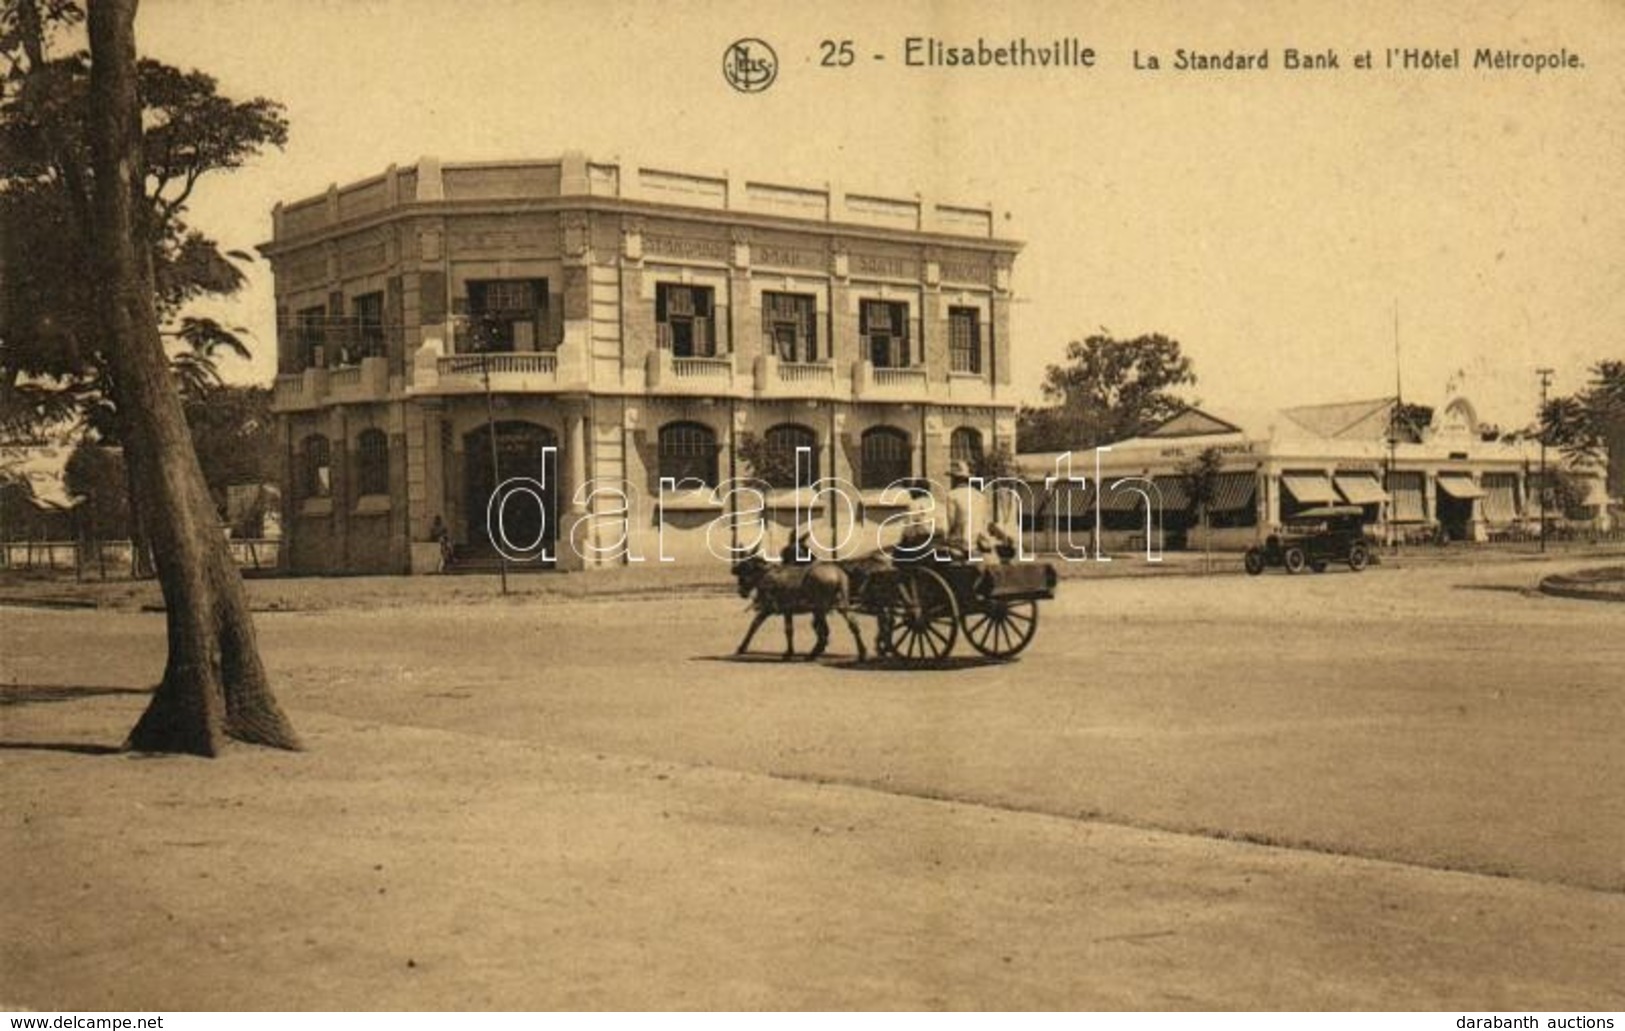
{"type": "Point", "coordinates": [524, 449]}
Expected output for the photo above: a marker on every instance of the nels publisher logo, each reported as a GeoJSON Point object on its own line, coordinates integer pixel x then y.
{"type": "Point", "coordinates": [750, 65]}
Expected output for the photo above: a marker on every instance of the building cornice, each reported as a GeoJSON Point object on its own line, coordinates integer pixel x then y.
{"type": "Point", "coordinates": [407, 211]}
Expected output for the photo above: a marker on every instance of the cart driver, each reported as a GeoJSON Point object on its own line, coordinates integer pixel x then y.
{"type": "Point", "coordinates": [971, 525]}
{"type": "Point", "coordinates": [919, 521]}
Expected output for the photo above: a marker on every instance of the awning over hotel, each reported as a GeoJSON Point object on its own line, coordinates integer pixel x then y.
{"type": "Point", "coordinates": [1500, 497]}
{"type": "Point", "coordinates": [1309, 488]}
{"type": "Point", "coordinates": [1127, 497]}
{"type": "Point", "coordinates": [1171, 491]}
{"type": "Point", "coordinates": [1360, 489]}
{"type": "Point", "coordinates": [1067, 498]}
{"type": "Point", "coordinates": [1460, 486]}
{"type": "Point", "coordinates": [1408, 504]}
{"type": "Point", "coordinates": [1234, 491]}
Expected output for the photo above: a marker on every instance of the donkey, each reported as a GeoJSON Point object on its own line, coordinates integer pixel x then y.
{"type": "Point", "coordinates": [790, 591]}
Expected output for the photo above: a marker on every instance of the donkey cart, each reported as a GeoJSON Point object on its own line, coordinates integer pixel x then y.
{"type": "Point", "coordinates": [923, 605]}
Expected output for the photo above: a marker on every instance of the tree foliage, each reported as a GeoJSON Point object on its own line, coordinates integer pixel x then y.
{"type": "Point", "coordinates": [232, 431]}
{"type": "Point", "coordinates": [234, 434]}
{"type": "Point", "coordinates": [773, 466]}
{"type": "Point", "coordinates": [996, 463]}
{"type": "Point", "coordinates": [1581, 424]}
{"type": "Point", "coordinates": [98, 475]}
{"type": "Point", "coordinates": [1411, 422]}
{"type": "Point", "coordinates": [1200, 475]}
{"type": "Point", "coordinates": [53, 360]}
{"type": "Point", "coordinates": [1107, 390]}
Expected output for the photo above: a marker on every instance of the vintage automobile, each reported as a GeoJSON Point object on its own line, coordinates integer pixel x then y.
{"type": "Point", "coordinates": [1314, 538]}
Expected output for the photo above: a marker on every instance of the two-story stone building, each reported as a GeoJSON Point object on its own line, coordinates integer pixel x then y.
{"type": "Point", "coordinates": [615, 325]}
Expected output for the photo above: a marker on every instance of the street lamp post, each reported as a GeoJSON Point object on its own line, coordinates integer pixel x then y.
{"type": "Point", "coordinates": [1545, 375]}
{"type": "Point", "coordinates": [483, 336]}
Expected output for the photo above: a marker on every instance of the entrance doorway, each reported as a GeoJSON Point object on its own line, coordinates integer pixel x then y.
{"type": "Point", "coordinates": [529, 516]}
{"type": "Point", "coordinates": [1455, 516]}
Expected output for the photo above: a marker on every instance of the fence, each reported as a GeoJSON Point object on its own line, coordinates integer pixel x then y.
{"type": "Point", "coordinates": [116, 558]}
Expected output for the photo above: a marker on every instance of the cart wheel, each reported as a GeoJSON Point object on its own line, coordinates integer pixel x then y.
{"type": "Point", "coordinates": [1253, 561]}
{"type": "Point", "coordinates": [1359, 557]}
{"type": "Point", "coordinates": [1294, 560]}
{"type": "Point", "coordinates": [1001, 629]}
{"type": "Point", "coordinates": [924, 619]}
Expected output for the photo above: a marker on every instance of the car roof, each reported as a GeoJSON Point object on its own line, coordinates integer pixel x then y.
{"type": "Point", "coordinates": [1329, 512]}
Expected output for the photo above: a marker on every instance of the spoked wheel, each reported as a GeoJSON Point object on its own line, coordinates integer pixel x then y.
{"type": "Point", "coordinates": [1359, 557]}
{"type": "Point", "coordinates": [1295, 560]}
{"type": "Point", "coordinates": [924, 619]}
{"type": "Point", "coordinates": [1001, 629]}
{"type": "Point", "coordinates": [1253, 561]}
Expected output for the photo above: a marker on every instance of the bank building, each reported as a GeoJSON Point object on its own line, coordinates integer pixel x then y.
{"type": "Point", "coordinates": [579, 324]}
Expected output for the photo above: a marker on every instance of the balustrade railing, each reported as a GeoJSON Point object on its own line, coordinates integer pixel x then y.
{"type": "Point", "coordinates": [506, 363]}
{"type": "Point", "coordinates": [906, 379]}
{"type": "Point", "coordinates": [804, 374]}
{"type": "Point", "coordinates": [701, 368]}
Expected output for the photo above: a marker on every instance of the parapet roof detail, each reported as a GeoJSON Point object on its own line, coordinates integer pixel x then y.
{"type": "Point", "coordinates": [632, 184]}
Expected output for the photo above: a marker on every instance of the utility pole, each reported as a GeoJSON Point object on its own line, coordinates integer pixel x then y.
{"type": "Point", "coordinates": [1393, 447]}
{"type": "Point", "coordinates": [1545, 375]}
{"type": "Point", "coordinates": [1393, 436]}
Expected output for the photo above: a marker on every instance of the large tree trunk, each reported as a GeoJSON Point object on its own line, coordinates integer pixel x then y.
{"type": "Point", "coordinates": [214, 684]}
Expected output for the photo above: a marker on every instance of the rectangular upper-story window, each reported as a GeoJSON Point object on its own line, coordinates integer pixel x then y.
{"type": "Point", "coordinates": [964, 340]}
{"type": "Point", "coordinates": [684, 323]}
{"type": "Point", "coordinates": [368, 310]}
{"type": "Point", "coordinates": [310, 335]}
{"type": "Point", "coordinates": [507, 315]}
{"type": "Point", "coordinates": [790, 326]}
{"type": "Point", "coordinates": [884, 327]}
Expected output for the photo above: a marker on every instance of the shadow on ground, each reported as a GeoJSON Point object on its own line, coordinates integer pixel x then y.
{"type": "Point", "coordinates": [71, 747]}
{"type": "Point", "coordinates": [27, 694]}
{"type": "Point", "coordinates": [847, 662]}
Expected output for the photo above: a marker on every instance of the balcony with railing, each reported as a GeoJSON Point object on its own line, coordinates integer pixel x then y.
{"type": "Point", "coordinates": [673, 374]}
{"type": "Point", "coordinates": [905, 383]}
{"type": "Point", "coordinates": [776, 377]}
{"type": "Point", "coordinates": [899, 379]}
{"type": "Point", "coordinates": [714, 370]}
{"type": "Point", "coordinates": [334, 341]}
{"type": "Point", "coordinates": [515, 360]}
{"type": "Point", "coordinates": [296, 391]}
{"type": "Point", "coordinates": [509, 371]}
{"type": "Point", "coordinates": [341, 358]}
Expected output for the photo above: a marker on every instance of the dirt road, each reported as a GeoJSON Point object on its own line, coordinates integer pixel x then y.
{"type": "Point", "coordinates": [1400, 789]}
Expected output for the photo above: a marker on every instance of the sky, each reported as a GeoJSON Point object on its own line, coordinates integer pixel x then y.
{"type": "Point", "coordinates": [1274, 222]}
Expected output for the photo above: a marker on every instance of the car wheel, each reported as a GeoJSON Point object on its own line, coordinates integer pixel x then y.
{"type": "Point", "coordinates": [1294, 560]}
{"type": "Point", "coordinates": [1253, 561]}
{"type": "Point", "coordinates": [1359, 557]}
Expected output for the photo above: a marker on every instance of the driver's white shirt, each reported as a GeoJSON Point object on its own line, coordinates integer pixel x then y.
{"type": "Point", "coordinates": [969, 515]}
